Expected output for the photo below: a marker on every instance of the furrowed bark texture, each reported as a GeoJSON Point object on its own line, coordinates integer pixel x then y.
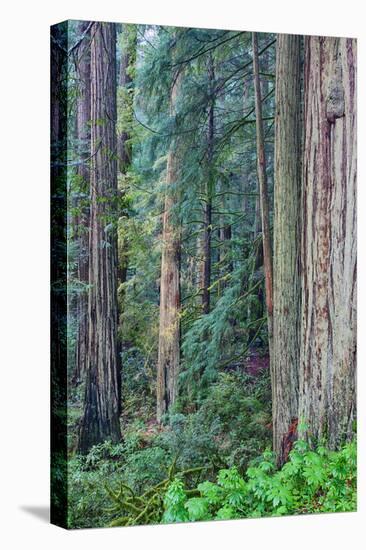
{"type": "Point", "coordinates": [263, 193]}
{"type": "Point", "coordinates": [169, 326]}
{"type": "Point", "coordinates": [82, 222]}
{"type": "Point", "coordinates": [286, 274]}
{"type": "Point", "coordinates": [102, 401]}
{"type": "Point", "coordinates": [327, 397]}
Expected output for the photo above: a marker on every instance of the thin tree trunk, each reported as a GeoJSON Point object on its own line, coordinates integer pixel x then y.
{"type": "Point", "coordinates": [253, 224]}
{"type": "Point", "coordinates": [206, 256]}
{"type": "Point", "coordinates": [263, 193]}
{"type": "Point", "coordinates": [286, 275]}
{"type": "Point", "coordinates": [245, 167]}
{"type": "Point", "coordinates": [125, 99]}
{"type": "Point", "coordinates": [207, 218]}
{"type": "Point", "coordinates": [82, 221]}
{"type": "Point", "coordinates": [327, 396]}
{"type": "Point", "coordinates": [225, 262]}
{"type": "Point", "coordinates": [100, 419]}
{"type": "Point", "coordinates": [169, 326]}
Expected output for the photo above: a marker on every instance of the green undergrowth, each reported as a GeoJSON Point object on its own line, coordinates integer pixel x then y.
{"type": "Point", "coordinates": [205, 464]}
{"type": "Point", "coordinates": [231, 427]}
{"type": "Point", "coordinates": [311, 481]}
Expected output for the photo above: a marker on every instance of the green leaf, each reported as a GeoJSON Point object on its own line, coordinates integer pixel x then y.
{"type": "Point", "coordinates": [197, 509]}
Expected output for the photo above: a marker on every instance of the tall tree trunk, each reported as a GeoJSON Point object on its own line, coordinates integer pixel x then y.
{"type": "Point", "coordinates": [246, 149]}
{"type": "Point", "coordinates": [327, 396]}
{"type": "Point", "coordinates": [82, 222]}
{"type": "Point", "coordinates": [206, 255]}
{"type": "Point", "coordinates": [263, 193]}
{"type": "Point", "coordinates": [125, 99]}
{"type": "Point", "coordinates": [286, 275]}
{"type": "Point", "coordinates": [59, 306]}
{"type": "Point", "coordinates": [169, 326]}
{"type": "Point", "coordinates": [207, 216]}
{"type": "Point", "coordinates": [252, 222]}
{"type": "Point", "coordinates": [100, 419]}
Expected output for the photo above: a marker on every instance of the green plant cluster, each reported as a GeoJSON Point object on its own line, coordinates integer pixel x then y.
{"type": "Point", "coordinates": [311, 481]}
{"type": "Point", "coordinates": [133, 462]}
{"type": "Point", "coordinates": [230, 427]}
{"type": "Point", "coordinates": [133, 509]}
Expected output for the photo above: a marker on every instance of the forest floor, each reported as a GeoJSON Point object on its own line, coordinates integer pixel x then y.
{"type": "Point", "coordinates": [253, 364]}
{"type": "Point", "coordinates": [210, 446]}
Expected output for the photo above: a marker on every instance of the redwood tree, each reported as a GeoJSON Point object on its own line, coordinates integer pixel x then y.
{"type": "Point", "coordinates": [327, 396]}
{"type": "Point", "coordinates": [286, 275]}
{"type": "Point", "coordinates": [100, 419]}
{"type": "Point", "coordinates": [169, 326]}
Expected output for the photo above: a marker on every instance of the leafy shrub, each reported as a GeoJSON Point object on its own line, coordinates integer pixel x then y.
{"type": "Point", "coordinates": [107, 465]}
{"type": "Point", "coordinates": [120, 485]}
{"type": "Point", "coordinates": [135, 508]}
{"type": "Point", "coordinates": [175, 503]}
{"type": "Point", "coordinates": [230, 427]}
{"type": "Point", "coordinates": [146, 467]}
{"type": "Point", "coordinates": [312, 481]}
{"type": "Point", "coordinates": [86, 491]}
{"type": "Point", "coordinates": [101, 454]}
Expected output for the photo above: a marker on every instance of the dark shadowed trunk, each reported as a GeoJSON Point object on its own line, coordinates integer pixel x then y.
{"type": "Point", "coordinates": [100, 419]}
{"type": "Point", "coordinates": [207, 209]}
